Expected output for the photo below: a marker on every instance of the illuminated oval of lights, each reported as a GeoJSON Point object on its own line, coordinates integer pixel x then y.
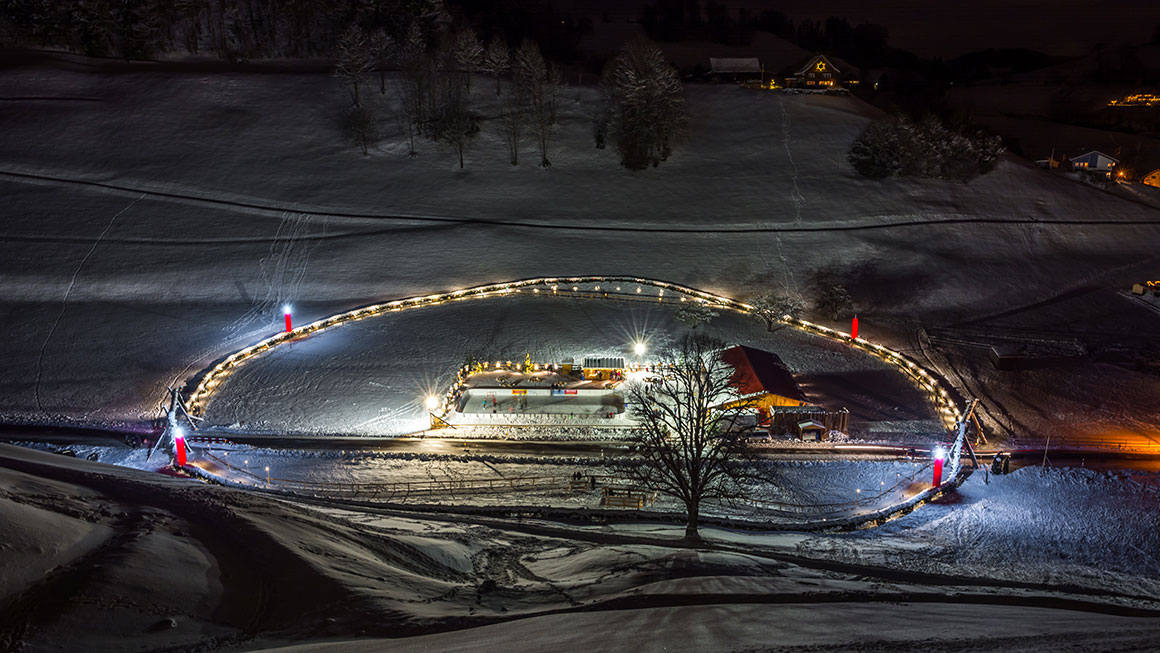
{"type": "Point", "coordinates": [211, 379]}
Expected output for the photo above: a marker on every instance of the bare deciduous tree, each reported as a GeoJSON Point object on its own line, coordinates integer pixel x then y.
{"type": "Point", "coordinates": [531, 76]}
{"type": "Point", "coordinates": [456, 125]}
{"type": "Point", "coordinates": [497, 60]}
{"type": "Point", "coordinates": [555, 88]}
{"type": "Point", "coordinates": [691, 436]}
{"type": "Point", "coordinates": [355, 60]}
{"type": "Point", "coordinates": [362, 127]}
{"type": "Point", "coordinates": [772, 306]}
{"type": "Point", "coordinates": [383, 51]}
{"type": "Point", "coordinates": [694, 315]}
{"type": "Point", "coordinates": [468, 54]}
{"type": "Point", "coordinates": [413, 61]}
{"type": "Point", "coordinates": [513, 116]}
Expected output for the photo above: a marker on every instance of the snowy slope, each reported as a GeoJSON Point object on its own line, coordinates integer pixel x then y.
{"type": "Point", "coordinates": [174, 563]}
{"type": "Point", "coordinates": [108, 295]}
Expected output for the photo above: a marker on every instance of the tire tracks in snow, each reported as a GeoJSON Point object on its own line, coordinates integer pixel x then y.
{"type": "Point", "coordinates": [858, 570]}
{"type": "Point", "coordinates": [273, 209]}
{"type": "Point", "coordinates": [67, 293]}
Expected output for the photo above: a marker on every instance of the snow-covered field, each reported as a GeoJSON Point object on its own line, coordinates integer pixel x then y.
{"type": "Point", "coordinates": [154, 286]}
{"type": "Point", "coordinates": [372, 377]}
{"type": "Point", "coordinates": [156, 221]}
{"type": "Point", "coordinates": [798, 491]}
{"type": "Point", "coordinates": [110, 558]}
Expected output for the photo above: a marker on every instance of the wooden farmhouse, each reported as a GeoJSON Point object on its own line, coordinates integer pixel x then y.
{"type": "Point", "coordinates": [818, 72]}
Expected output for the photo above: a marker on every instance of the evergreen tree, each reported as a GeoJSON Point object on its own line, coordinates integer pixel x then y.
{"type": "Point", "coordinates": [646, 105]}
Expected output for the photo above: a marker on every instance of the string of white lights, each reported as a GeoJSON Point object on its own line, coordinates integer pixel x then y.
{"type": "Point", "coordinates": [599, 287]}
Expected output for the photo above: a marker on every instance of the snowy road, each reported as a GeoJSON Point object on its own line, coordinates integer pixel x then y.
{"type": "Point", "coordinates": [130, 551]}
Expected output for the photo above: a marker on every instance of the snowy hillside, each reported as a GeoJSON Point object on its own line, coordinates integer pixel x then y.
{"type": "Point", "coordinates": [102, 553]}
{"type": "Point", "coordinates": [110, 292]}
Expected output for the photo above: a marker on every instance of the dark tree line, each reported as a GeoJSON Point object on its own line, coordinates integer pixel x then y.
{"type": "Point", "coordinates": [230, 29]}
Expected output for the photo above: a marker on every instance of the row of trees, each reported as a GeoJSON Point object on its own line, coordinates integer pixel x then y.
{"type": "Point", "coordinates": [434, 87]}
{"type": "Point", "coordinates": [643, 108]}
{"type": "Point", "coordinates": [230, 29]}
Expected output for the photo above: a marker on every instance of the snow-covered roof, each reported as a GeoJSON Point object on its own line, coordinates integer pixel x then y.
{"type": "Point", "coordinates": [734, 64]}
{"type": "Point", "coordinates": [603, 362]}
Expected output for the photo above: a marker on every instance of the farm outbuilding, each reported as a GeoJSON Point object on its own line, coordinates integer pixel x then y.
{"type": "Point", "coordinates": [735, 68]}
{"type": "Point", "coordinates": [811, 430]}
{"type": "Point", "coordinates": [762, 377]}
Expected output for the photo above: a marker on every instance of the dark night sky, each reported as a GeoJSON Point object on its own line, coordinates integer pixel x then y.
{"type": "Point", "coordinates": [950, 27]}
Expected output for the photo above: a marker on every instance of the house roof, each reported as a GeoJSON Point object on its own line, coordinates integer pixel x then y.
{"type": "Point", "coordinates": [734, 65]}
{"type": "Point", "coordinates": [813, 62]}
{"type": "Point", "coordinates": [760, 372]}
{"type": "Point", "coordinates": [1096, 152]}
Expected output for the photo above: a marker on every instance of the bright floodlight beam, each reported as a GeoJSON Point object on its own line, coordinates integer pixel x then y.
{"type": "Point", "coordinates": [432, 402]}
{"type": "Point", "coordinates": [639, 348]}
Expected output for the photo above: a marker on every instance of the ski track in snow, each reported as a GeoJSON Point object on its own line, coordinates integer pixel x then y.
{"type": "Point", "coordinates": [283, 269]}
{"type": "Point", "coordinates": [796, 198]}
{"type": "Point", "coordinates": [68, 291]}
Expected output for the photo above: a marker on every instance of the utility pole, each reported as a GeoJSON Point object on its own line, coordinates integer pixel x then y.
{"type": "Point", "coordinates": [1045, 445]}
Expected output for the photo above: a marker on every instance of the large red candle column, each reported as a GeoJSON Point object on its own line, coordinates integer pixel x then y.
{"type": "Point", "coordinates": [286, 312]}
{"type": "Point", "coordinates": [854, 327]}
{"type": "Point", "coordinates": [179, 446]}
{"type": "Point", "coordinates": [938, 465]}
